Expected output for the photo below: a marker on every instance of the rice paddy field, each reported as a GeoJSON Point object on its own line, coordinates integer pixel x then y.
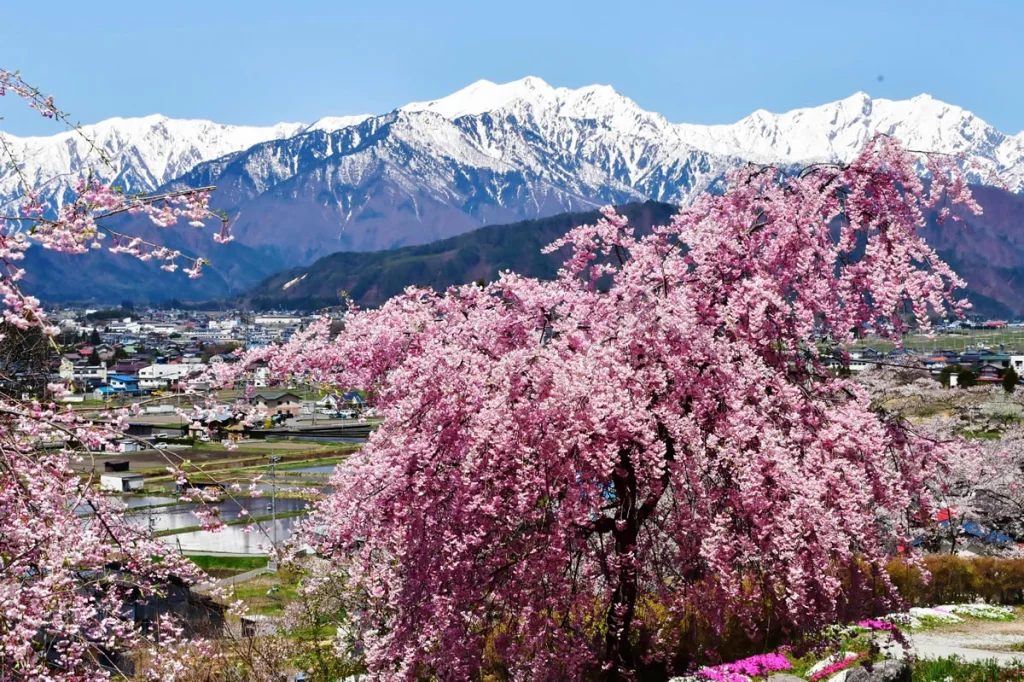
{"type": "Point", "coordinates": [962, 340]}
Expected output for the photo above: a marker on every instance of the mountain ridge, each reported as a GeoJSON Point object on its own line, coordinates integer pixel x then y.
{"type": "Point", "coordinates": [370, 278]}
{"type": "Point", "coordinates": [986, 249]}
{"type": "Point", "coordinates": [487, 154]}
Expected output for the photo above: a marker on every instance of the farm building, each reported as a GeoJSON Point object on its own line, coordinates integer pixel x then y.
{"type": "Point", "coordinates": [277, 402]}
{"type": "Point", "coordinates": [121, 481]}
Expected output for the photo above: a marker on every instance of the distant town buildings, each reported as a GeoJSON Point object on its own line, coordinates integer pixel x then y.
{"type": "Point", "coordinates": [985, 362]}
{"type": "Point", "coordinates": [130, 353]}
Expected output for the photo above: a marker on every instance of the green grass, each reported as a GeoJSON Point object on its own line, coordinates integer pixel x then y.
{"type": "Point", "coordinates": [251, 448]}
{"type": "Point", "coordinates": [262, 600]}
{"type": "Point", "coordinates": [323, 461]}
{"type": "Point", "coordinates": [210, 447]}
{"type": "Point", "coordinates": [982, 435]}
{"type": "Point", "coordinates": [954, 669]}
{"type": "Point", "coordinates": [958, 341]}
{"type": "Point", "coordinates": [928, 623]}
{"type": "Point", "coordinates": [209, 562]}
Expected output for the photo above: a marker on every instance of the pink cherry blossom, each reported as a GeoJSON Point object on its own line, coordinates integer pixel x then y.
{"type": "Point", "coordinates": [70, 563]}
{"type": "Point", "coordinates": [654, 427]}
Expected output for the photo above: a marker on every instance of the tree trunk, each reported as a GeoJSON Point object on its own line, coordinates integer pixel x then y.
{"type": "Point", "coordinates": [632, 513]}
{"type": "Point", "coordinates": [619, 653]}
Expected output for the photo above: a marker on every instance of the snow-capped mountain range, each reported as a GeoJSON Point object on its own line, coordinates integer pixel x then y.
{"type": "Point", "coordinates": [486, 154]}
{"type": "Point", "coordinates": [139, 154]}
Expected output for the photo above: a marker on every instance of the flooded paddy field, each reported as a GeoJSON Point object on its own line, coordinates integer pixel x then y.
{"type": "Point", "coordinates": [300, 478]}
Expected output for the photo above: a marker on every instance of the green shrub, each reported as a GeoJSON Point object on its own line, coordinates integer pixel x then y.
{"type": "Point", "coordinates": [954, 669]}
{"type": "Point", "coordinates": [956, 579]}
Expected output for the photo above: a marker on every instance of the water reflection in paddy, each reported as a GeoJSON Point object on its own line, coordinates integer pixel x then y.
{"type": "Point", "coordinates": [232, 539]}
{"type": "Point", "coordinates": [321, 469]}
{"type": "Point", "coordinates": [168, 513]}
{"type": "Point", "coordinates": [180, 515]}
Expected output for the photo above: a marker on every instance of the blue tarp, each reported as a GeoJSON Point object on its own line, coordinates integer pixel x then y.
{"type": "Point", "coordinates": [995, 537]}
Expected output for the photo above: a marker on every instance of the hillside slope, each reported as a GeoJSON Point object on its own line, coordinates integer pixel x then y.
{"type": "Point", "coordinates": [371, 278]}
{"type": "Point", "coordinates": [986, 250]}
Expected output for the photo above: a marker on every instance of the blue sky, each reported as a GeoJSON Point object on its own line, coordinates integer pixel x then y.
{"type": "Point", "coordinates": [260, 62]}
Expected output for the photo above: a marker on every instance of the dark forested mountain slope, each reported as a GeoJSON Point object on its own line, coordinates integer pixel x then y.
{"type": "Point", "coordinates": [371, 278]}
{"type": "Point", "coordinates": [987, 250]}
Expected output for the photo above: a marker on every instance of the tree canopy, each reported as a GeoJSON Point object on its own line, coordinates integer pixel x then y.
{"type": "Point", "coordinates": [568, 470]}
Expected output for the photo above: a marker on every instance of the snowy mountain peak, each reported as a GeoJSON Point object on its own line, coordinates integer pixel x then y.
{"type": "Point", "coordinates": [143, 153]}
{"type": "Point", "coordinates": [484, 96]}
{"type": "Point", "coordinates": [534, 96]}
{"type": "Point", "coordinates": [130, 128]}
{"type": "Point", "coordinates": [837, 131]}
{"type": "Point", "coordinates": [332, 123]}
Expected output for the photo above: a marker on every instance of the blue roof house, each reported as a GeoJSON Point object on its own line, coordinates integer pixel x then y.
{"type": "Point", "coordinates": [123, 383]}
{"type": "Point", "coordinates": [354, 398]}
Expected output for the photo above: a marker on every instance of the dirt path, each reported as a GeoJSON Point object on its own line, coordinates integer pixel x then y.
{"type": "Point", "coordinates": [235, 579]}
{"type": "Point", "coordinates": [969, 648]}
{"type": "Point", "coordinates": [973, 640]}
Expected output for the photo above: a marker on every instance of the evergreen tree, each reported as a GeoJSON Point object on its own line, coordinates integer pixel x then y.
{"type": "Point", "coordinates": [965, 378]}
{"type": "Point", "coordinates": [1010, 379]}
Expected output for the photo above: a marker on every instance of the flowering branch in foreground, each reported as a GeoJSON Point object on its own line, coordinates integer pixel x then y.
{"type": "Point", "coordinates": [70, 561]}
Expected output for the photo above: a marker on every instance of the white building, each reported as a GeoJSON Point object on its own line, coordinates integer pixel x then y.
{"type": "Point", "coordinates": [121, 481]}
{"type": "Point", "coordinates": [261, 377]}
{"type": "Point", "coordinates": [210, 334]}
{"type": "Point", "coordinates": [129, 445]}
{"type": "Point", "coordinates": [857, 362]}
{"type": "Point", "coordinates": [96, 372]}
{"type": "Point", "coordinates": [278, 320]}
{"type": "Point", "coordinates": [162, 328]}
{"type": "Point", "coordinates": [161, 376]}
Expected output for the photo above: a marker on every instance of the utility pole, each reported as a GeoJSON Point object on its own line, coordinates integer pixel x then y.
{"type": "Point", "coordinates": [274, 459]}
{"type": "Point", "coordinates": [315, 393]}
